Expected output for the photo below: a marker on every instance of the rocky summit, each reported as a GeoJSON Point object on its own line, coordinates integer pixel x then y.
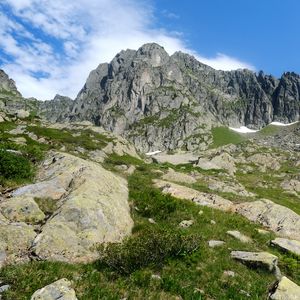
{"type": "Point", "coordinates": [163, 179]}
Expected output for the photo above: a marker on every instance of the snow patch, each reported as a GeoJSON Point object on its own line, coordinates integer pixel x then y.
{"type": "Point", "coordinates": [282, 124]}
{"type": "Point", "coordinates": [153, 153]}
{"type": "Point", "coordinates": [243, 129]}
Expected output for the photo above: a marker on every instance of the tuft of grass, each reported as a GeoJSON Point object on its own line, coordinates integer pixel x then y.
{"type": "Point", "coordinates": [150, 247]}
{"type": "Point", "coordinates": [47, 205]}
{"type": "Point", "coordinates": [86, 139]}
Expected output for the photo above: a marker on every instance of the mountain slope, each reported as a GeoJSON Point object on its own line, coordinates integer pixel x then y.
{"type": "Point", "coordinates": [169, 102]}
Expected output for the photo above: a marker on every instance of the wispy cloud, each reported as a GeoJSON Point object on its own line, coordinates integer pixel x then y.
{"type": "Point", "coordinates": [53, 45]}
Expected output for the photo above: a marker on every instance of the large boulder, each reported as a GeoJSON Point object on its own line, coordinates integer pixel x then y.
{"type": "Point", "coordinates": [58, 290]}
{"type": "Point", "coordinates": [94, 211]}
{"type": "Point", "coordinates": [90, 207]}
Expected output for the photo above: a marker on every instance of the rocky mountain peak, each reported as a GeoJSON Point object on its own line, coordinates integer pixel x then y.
{"type": "Point", "coordinates": [153, 54]}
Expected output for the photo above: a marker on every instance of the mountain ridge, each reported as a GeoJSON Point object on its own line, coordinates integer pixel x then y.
{"type": "Point", "coordinates": [167, 102]}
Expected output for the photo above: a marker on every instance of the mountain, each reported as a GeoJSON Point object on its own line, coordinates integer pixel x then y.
{"type": "Point", "coordinates": [163, 102]}
{"type": "Point", "coordinates": [100, 220]}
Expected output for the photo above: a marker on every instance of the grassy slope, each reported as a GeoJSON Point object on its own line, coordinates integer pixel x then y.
{"type": "Point", "coordinates": [183, 276]}
{"type": "Point", "coordinates": [224, 136]}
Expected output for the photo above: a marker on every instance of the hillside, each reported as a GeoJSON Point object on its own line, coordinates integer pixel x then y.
{"type": "Point", "coordinates": [86, 213]}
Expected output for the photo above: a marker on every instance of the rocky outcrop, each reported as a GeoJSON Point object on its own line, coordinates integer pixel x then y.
{"type": "Point", "coordinates": [91, 208]}
{"type": "Point", "coordinates": [58, 290]}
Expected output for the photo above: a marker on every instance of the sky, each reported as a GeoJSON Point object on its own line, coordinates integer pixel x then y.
{"type": "Point", "coordinates": [50, 47]}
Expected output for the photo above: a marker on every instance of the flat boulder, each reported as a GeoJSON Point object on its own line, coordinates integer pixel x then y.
{"type": "Point", "coordinates": [291, 246]}
{"type": "Point", "coordinates": [197, 197]}
{"type": "Point", "coordinates": [286, 290]}
{"type": "Point", "coordinates": [256, 259]}
{"type": "Point", "coordinates": [58, 290]}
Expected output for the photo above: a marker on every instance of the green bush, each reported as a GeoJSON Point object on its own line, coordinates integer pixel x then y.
{"type": "Point", "coordinates": [14, 166]}
{"type": "Point", "coordinates": [151, 247]}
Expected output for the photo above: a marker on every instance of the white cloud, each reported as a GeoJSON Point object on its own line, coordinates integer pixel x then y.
{"type": "Point", "coordinates": [87, 33]}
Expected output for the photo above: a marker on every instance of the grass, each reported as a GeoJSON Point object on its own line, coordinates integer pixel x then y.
{"type": "Point", "coordinates": [272, 191]}
{"type": "Point", "coordinates": [224, 136]}
{"type": "Point", "coordinates": [71, 139]}
{"type": "Point", "coordinates": [183, 273]}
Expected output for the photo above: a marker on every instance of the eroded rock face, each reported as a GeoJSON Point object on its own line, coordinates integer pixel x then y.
{"type": "Point", "coordinates": [91, 208]}
{"type": "Point", "coordinates": [58, 290]}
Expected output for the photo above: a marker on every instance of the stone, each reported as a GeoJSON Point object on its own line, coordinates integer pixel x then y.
{"type": "Point", "coordinates": [229, 273]}
{"type": "Point", "coordinates": [186, 223]}
{"type": "Point", "coordinates": [280, 219]}
{"type": "Point", "coordinates": [221, 161]}
{"type": "Point", "coordinates": [172, 175]}
{"type": "Point", "coordinates": [17, 238]}
{"type": "Point", "coordinates": [262, 231]}
{"type": "Point", "coordinates": [4, 288]}
{"type": "Point", "coordinates": [257, 259]}
{"type": "Point", "coordinates": [155, 277]}
{"type": "Point", "coordinates": [292, 185]}
{"type": "Point", "coordinates": [197, 197]}
{"type": "Point", "coordinates": [286, 290]}
{"type": "Point", "coordinates": [291, 246]}
{"type": "Point", "coordinates": [22, 209]}
{"type": "Point", "coordinates": [18, 140]}
{"type": "Point", "coordinates": [95, 210]}
{"type": "Point", "coordinates": [22, 114]}
{"type": "Point", "coordinates": [215, 243]}
{"type": "Point", "coordinates": [151, 221]}
{"type": "Point", "coordinates": [213, 222]}
{"type": "Point", "coordinates": [58, 290]}
{"type": "Point", "coordinates": [239, 236]}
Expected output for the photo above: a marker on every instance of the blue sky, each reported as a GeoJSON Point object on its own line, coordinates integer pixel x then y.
{"type": "Point", "coordinates": [50, 47]}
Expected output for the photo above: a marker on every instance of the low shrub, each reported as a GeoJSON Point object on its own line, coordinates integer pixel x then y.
{"type": "Point", "coordinates": [14, 166]}
{"type": "Point", "coordinates": [150, 247]}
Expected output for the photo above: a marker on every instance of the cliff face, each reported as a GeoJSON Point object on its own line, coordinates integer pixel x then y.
{"type": "Point", "coordinates": [165, 102]}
